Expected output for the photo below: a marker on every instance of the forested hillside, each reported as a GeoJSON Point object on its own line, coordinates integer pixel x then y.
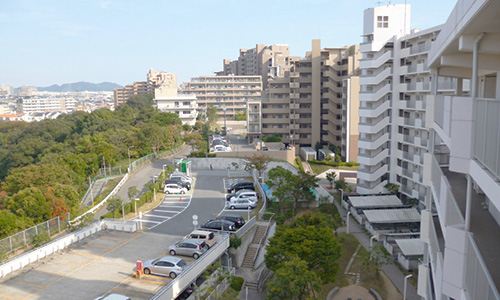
{"type": "Point", "coordinates": [44, 166]}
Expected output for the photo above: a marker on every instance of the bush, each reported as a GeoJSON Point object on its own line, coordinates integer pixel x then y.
{"type": "Point", "coordinates": [298, 161]}
{"type": "Point", "coordinates": [235, 242]}
{"type": "Point", "coordinates": [280, 219]}
{"type": "Point", "coordinates": [334, 164]}
{"type": "Point", "coordinates": [236, 283]}
{"type": "Point", "coordinates": [275, 138]}
{"type": "Point", "coordinates": [41, 239]}
{"type": "Point", "coordinates": [201, 154]}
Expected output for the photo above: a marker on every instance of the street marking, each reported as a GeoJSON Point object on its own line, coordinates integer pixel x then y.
{"type": "Point", "coordinates": [156, 216]}
{"type": "Point", "coordinates": [137, 220]}
{"type": "Point", "coordinates": [99, 246]}
{"type": "Point", "coordinates": [171, 201]}
{"type": "Point", "coordinates": [40, 286]}
{"type": "Point", "coordinates": [172, 206]}
{"type": "Point", "coordinates": [8, 297]}
{"type": "Point", "coordinates": [166, 211]}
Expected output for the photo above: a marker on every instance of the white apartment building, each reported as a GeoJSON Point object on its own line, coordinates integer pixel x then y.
{"type": "Point", "coordinates": [42, 104]}
{"type": "Point", "coordinates": [460, 224]}
{"type": "Point", "coordinates": [394, 82]}
{"type": "Point", "coordinates": [167, 100]}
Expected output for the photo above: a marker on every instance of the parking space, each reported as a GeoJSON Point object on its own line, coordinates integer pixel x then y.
{"type": "Point", "coordinates": [244, 212]}
{"type": "Point", "coordinates": [98, 265]}
{"type": "Point", "coordinates": [171, 206]}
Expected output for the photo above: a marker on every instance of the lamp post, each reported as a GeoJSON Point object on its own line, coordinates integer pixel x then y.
{"type": "Point", "coordinates": [404, 288]}
{"type": "Point", "coordinates": [371, 241]}
{"type": "Point", "coordinates": [225, 126]}
{"type": "Point", "coordinates": [135, 205]}
{"type": "Point", "coordinates": [348, 215]}
{"type": "Point", "coordinates": [164, 166]}
{"type": "Point", "coordinates": [128, 150]}
{"type": "Point", "coordinates": [341, 195]}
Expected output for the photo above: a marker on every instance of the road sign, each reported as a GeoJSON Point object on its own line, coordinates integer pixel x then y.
{"type": "Point", "coordinates": [195, 217]}
{"type": "Point", "coordinates": [195, 222]}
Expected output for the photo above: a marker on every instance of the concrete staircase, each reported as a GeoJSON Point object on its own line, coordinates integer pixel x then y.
{"type": "Point", "coordinates": [251, 285]}
{"type": "Point", "coordinates": [253, 247]}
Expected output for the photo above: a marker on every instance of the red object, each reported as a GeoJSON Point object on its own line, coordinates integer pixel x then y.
{"type": "Point", "coordinates": [180, 198]}
{"type": "Point", "coordinates": [139, 266]}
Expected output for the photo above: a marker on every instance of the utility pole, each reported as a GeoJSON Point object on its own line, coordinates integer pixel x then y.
{"type": "Point", "coordinates": [104, 165]}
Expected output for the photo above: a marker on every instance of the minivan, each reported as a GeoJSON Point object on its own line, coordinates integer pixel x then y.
{"type": "Point", "coordinates": [206, 236]}
{"type": "Point", "coordinates": [189, 247]}
{"type": "Point", "coordinates": [240, 204]}
{"type": "Point", "coordinates": [241, 185]}
{"type": "Point", "coordinates": [187, 185]}
{"type": "Point", "coordinates": [237, 220]}
{"type": "Point", "coordinates": [250, 195]}
{"type": "Point", "coordinates": [182, 177]}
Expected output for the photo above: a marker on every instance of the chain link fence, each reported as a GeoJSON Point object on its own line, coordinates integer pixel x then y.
{"type": "Point", "coordinates": [146, 159]}
{"type": "Point", "coordinates": [29, 236]}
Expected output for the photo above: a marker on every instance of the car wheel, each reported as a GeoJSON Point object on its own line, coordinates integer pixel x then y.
{"type": "Point", "coordinates": [182, 192]}
{"type": "Point", "coordinates": [173, 275]}
{"type": "Point", "coordinates": [167, 192]}
{"type": "Point", "coordinates": [196, 255]}
{"type": "Point", "coordinates": [147, 271]}
{"type": "Point", "coordinates": [172, 252]}
{"type": "Point", "coordinates": [232, 207]}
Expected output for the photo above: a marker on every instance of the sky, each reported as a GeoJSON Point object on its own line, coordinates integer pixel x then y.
{"type": "Point", "coordinates": [47, 42]}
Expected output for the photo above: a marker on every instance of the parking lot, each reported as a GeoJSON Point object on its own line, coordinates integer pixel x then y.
{"type": "Point", "coordinates": [101, 264]}
{"type": "Point", "coordinates": [105, 262]}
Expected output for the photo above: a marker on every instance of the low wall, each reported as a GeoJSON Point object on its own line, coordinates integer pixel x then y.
{"type": "Point", "coordinates": [63, 242]}
{"type": "Point", "coordinates": [285, 155]}
{"type": "Point", "coordinates": [238, 255]}
{"type": "Point", "coordinates": [263, 251]}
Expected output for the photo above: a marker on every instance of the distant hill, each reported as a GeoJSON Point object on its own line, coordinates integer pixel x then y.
{"type": "Point", "coordinates": [81, 86]}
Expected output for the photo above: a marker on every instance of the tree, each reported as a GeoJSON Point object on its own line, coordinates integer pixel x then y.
{"type": "Point", "coordinates": [141, 102]}
{"type": "Point", "coordinates": [330, 176]}
{"type": "Point", "coordinates": [302, 188]}
{"type": "Point", "coordinates": [211, 114]}
{"type": "Point", "coordinates": [318, 147]}
{"type": "Point", "coordinates": [258, 163]}
{"type": "Point", "coordinates": [376, 258]}
{"type": "Point", "coordinates": [309, 237]}
{"type": "Point", "coordinates": [294, 280]}
{"type": "Point", "coordinates": [115, 204]}
{"type": "Point", "coordinates": [279, 181]}
{"type": "Point", "coordinates": [132, 192]}
{"type": "Point", "coordinates": [193, 140]}
{"type": "Point", "coordinates": [392, 188]}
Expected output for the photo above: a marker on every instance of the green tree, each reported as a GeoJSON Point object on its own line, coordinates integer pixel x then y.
{"type": "Point", "coordinates": [115, 204]}
{"type": "Point", "coordinates": [330, 176]}
{"type": "Point", "coordinates": [258, 163]}
{"type": "Point", "coordinates": [376, 258]}
{"type": "Point", "coordinates": [392, 188]}
{"type": "Point", "coordinates": [301, 188]}
{"type": "Point", "coordinates": [309, 237]}
{"type": "Point", "coordinates": [141, 102]}
{"type": "Point", "coordinates": [10, 223]}
{"type": "Point", "coordinates": [279, 181]}
{"type": "Point", "coordinates": [211, 114]}
{"type": "Point", "coordinates": [193, 139]}
{"type": "Point", "coordinates": [30, 202]}
{"type": "Point", "coordinates": [293, 280]}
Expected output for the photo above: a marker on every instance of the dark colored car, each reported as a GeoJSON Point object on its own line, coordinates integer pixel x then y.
{"type": "Point", "coordinates": [237, 220]}
{"type": "Point", "coordinates": [187, 185]}
{"type": "Point", "coordinates": [186, 293]}
{"type": "Point", "coordinates": [218, 224]}
{"type": "Point", "coordinates": [241, 185]}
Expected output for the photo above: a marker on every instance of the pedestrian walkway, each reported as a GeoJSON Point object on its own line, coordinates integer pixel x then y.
{"type": "Point", "coordinates": [392, 271]}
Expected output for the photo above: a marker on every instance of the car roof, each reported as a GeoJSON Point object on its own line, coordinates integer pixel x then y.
{"type": "Point", "coordinates": [114, 297]}
{"type": "Point", "coordinates": [233, 216]}
{"type": "Point", "coordinates": [220, 220]}
{"type": "Point", "coordinates": [171, 259]}
{"type": "Point", "coordinates": [200, 232]}
{"type": "Point", "coordinates": [242, 181]}
{"type": "Point", "coordinates": [193, 241]}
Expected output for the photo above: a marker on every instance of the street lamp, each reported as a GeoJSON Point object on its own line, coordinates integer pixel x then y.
{"type": "Point", "coordinates": [404, 289]}
{"type": "Point", "coordinates": [371, 241]}
{"type": "Point", "coordinates": [128, 150]}
{"type": "Point", "coordinates": [135, 204]}
{"type": "Point", "coordinates": [348, 215]}
{"type": "Point", "coordinates": [164, 166]}
{"type": "Point", "coordinates": [341, 195]}
{"type": "Point", "coordinates": [225, 126]}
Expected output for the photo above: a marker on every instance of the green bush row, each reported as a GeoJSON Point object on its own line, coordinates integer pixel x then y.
{"type": "Point", "coordinates": [298, 161]}
{"type": "Point", "coordinates": [201, 154]}
{"type": "Point", "coordinates": [334, 164]}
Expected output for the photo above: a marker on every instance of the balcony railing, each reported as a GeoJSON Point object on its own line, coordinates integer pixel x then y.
{"type": "Point", "coordinates": [487, 130]}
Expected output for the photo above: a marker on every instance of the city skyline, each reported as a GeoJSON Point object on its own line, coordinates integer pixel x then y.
{"type": "Point", "coordinates": [56, 42]}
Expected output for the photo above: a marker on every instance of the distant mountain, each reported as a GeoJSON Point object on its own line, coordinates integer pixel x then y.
{"type": "Point", "coordinates": [81, 86]}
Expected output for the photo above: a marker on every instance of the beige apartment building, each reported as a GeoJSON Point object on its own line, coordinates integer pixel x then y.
{"type": "Point", "coordinates": [155, 79]}
{"type": "Point", "coordinates": [306, 106]}
{"type": "Point", "coordinates": [267, 61]}
{"type": "Point", "coordinates": [229, 94]}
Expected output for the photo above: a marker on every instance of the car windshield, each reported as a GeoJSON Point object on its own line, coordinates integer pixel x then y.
{"type": "Point", "coordinates": [181, 263]}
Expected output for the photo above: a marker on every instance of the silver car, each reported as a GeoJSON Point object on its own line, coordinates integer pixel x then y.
{"type": "Point", "coordinates": [189, 247]}
{"type": "Point", "coordinates": [166, 266]}
{"type": "Point", "coordinates": [241, 204]}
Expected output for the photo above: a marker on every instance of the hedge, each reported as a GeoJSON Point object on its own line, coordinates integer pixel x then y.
{"type": "Point", "coordinates": [298, 161]}
{"type": "Point", "coordinates": [201, 154]}
{"type": "Point", "coordinates": [334, 164]}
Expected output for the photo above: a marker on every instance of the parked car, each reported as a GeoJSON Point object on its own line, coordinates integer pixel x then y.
{"type": "Point", "coordinates": [229, 196]}
{"type": "Point", "coordinates": [187, 185]}
{"type": "Point", "coordinates": [189, 247]}
{"type": "Point", "coordinates": [221, 148]}
{"type": "Point", "coordinates": [217, 137]}
{"type": "Point", "coordinates": [241, 204]}
{"type": "Point", "coordinates": [218, 224]}
{"type": "Point", "coordinates": [206, 236]}
{"type": "Point", "coordinates": [220, 142]}
{"type": "Point", "coordinates": [241, 185]}
{"type": "Point", "coordinates": [174, 188]}
{"type": "Point", "coordinates": [237, 220]}
{"type": "Point", "coordinates": [182, 177]}
{"type": "Point", "coordinates": [165, 266]}
{"type": "Point", "coordinates": [186, 293]}
{"type": "Point", "coordinates": [245, 194]}
{"type": "Point", "coordinates": [264, 149]}
{"type": "Point", "coordinates": [113, 297]}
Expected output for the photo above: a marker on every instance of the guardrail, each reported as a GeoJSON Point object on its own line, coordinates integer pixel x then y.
{"type": "Point", "coordinates": [263, 238]}
{"type": "Point", "coordinates": [100, 204]}
{"type": "Point", "coordinates": [263, 196]}
{"type": "Point", "coordinates": [176, 286]}
{"type": "Point", "coordinates": [244, 229]}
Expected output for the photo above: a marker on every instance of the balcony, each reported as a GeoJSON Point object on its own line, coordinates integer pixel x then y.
{"type": "Point", "coordinates": [376, 62]}
{"type": "Point", "coordinates": [369, 159]}
{"type": "Point", "coordinates": [375, 95]}
{"type": "Point", "coordinates": [376, 79]}
{"type": "Point", "coordinates": [373, 143]}
{"type": "Point", "coordinates": [372, 128]}
{"type": "Point", "coordinates": [367, 175]}
{"type": "Point", "coordinates": [449, 190]}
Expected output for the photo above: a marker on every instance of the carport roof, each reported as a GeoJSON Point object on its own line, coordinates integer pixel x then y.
{"type": "Point", "coordinates": [407, 215]}
{"type": "Point", "coordinates": [308, 149]}
{"type": "Point", "coordinates": [411, 247]}
{"type": "Point", "coordinates": [375, 201]}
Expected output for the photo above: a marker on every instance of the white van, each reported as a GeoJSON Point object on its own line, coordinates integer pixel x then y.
{"type": "Point", "coordinates": [250, 195]}
{"type": "Point", "coordinates": [206, 236]}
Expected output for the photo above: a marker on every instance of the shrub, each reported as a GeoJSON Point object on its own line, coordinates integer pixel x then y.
{"type": "Point", "coordinates": [201, 154]}
{"type": "Point", "coordinates": [235, 242]}
{"type": "Point", "coordinates": [41, 239]}
{"type": "Point", "coordinates": [334, 164]}
{"type": "Point", "coordinates": [298, 161]}
{"type": "Point", "coordinates": [236, 283]}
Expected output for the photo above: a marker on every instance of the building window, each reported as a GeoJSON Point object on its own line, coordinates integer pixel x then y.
{"type": "Point", "coordinates": [382, 21]}
{"type": "Point", "coordinates": [185, 103]}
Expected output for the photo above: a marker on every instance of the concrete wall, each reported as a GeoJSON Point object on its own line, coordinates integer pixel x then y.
{"type": "Point", "coordinates": [238, 255]}
{"type": "Point", "coordinates": [284, 155]}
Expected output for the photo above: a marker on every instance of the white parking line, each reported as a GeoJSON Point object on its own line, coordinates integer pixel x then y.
{"type": "Point", "coordinates": [172, 206]}
{"type": "Point", "coordinates": [156, 216]}
{"type": "Point", "coordinates": [172, 201]}
{"type": "Point", "coordinates": [148, 221]}
{"type": "Point", "coordinates": [188, 201]}
{"type": "Point", "coordinates": [167, 211]}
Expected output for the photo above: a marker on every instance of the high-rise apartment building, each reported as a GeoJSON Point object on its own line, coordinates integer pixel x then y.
{"type": "Point", "coordinates": [267, 61]}
{"type": "Point", "coordinates": [155, 79]}
{"type": "Point", "coordinates": [6, 90]}
{"type": "Point", "coordinates": [306, 106]}
{"type": "Point", "coordinates": [167, 100]}
{"type": "Point", "coordinates": [460, 223]}
{"type": "Point", "coordinates": [229, 94]}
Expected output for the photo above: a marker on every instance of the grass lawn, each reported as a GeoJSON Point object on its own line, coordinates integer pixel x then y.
{"type": "Point", "coordinates": [319, 168]}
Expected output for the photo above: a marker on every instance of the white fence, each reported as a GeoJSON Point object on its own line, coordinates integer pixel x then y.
{"type": "Point", "coordinates": [34, 255]}
{"type": "Point", "coordinates": [248, 225]}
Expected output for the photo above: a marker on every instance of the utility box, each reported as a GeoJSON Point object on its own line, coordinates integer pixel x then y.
{"type": "Point", "coordinates": [185, 167]}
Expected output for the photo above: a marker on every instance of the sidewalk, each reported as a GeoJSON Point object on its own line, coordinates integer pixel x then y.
{"type": "Point", "coordinates": [391, 270]}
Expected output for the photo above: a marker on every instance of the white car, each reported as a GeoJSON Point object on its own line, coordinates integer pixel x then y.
{"type": "Point", "coordinates": [221, 148]}
{"type": "Point", "coordinates": [172, 188]}
{"type": "Point", "coordinates": [182, 177]}
{"type": "Point", "coordinates": [250, 195]}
